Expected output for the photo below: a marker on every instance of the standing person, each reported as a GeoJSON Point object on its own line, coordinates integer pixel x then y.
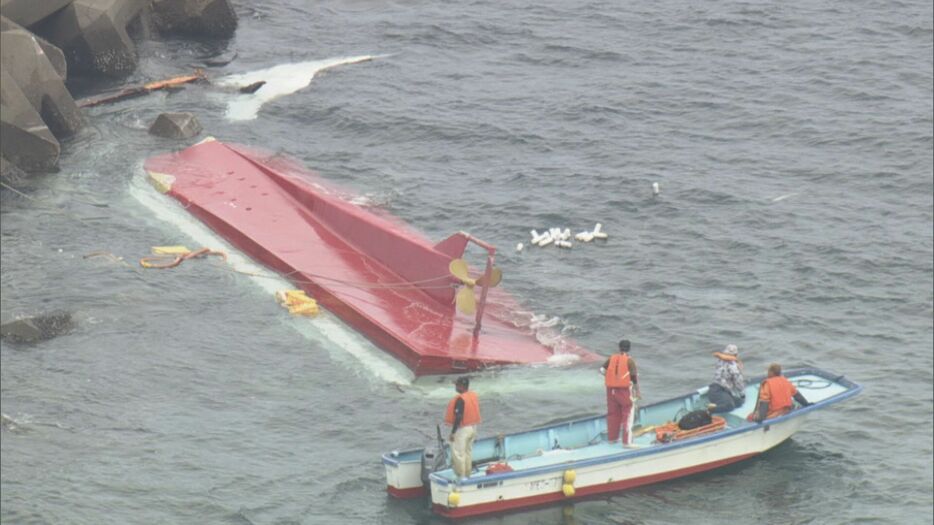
{"type": "Point", "coordinates": [621, 380]}
{"type": "Point", "coordinates": [463, 414]}
{"type": "Point", "coordinates": [775, 395]}
{"type": "Point", "coordinates": [728, 389]}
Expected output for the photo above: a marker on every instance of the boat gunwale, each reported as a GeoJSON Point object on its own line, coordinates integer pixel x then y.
{"type": "Point", "coordinates": [389, 459]}
{"type": "Point", "coordinates": [852, 390]}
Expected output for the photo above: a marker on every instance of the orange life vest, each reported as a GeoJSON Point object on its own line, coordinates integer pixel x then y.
{"type": "Point", "coordinates": [471, 409]}
{"type": "Point", "coordinates": [617, 374]}
{"type": "Point", "coordinates": [778, 391]}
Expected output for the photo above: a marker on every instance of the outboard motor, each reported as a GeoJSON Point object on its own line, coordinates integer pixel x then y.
{"type": "Point", "coordinates": [432, 461]}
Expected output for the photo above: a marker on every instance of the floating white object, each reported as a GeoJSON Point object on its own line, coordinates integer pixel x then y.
{"type": "Point", "coordinates": [519, 247]}
{"type": "Point", "coordinates": [597, 234]}
{"type": "Point", "coordinates": [655, 188]}
{"type": "Point", "coordinates": [561, 237]}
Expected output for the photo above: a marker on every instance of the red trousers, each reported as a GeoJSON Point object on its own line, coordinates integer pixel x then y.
{"type": "Point", "coordinates": [619, 412]}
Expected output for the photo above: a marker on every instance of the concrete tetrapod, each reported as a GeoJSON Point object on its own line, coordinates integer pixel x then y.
{"type": "Point", "coordinates": [27, 141]}
{"type": "Point", "coordinates": [25, 59]}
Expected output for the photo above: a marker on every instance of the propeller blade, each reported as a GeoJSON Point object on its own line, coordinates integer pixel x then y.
{"type": "Point", "coordinates": [496, 276]}
{"type": "Point", "coordinates": [458, 268]}
{"type": "Point", "coordinates": [466, 302]}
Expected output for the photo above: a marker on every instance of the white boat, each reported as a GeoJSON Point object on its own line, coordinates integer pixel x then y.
{"type": "Point", "coordinates": [572, 459]}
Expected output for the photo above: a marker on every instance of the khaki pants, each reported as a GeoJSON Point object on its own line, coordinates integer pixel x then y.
{"type": "Point", "coordinates": [462, 450]}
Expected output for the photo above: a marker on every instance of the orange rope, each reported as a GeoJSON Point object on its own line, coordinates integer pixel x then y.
{"type": "Point", "coordinates": [162, 261]}
{"type": "Point", "coordinates": [184, 79]}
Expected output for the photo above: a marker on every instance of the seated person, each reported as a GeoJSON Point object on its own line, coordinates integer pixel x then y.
{"type": "Point", "coordinates": [775, 395]}
{"type": "Point", "coordinates": [728, 389]}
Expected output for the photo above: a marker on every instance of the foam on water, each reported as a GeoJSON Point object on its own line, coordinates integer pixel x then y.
{"type": "Point", "coordinates": [280, 80]}
{"type": "Point", "coordinates": [585, 382]}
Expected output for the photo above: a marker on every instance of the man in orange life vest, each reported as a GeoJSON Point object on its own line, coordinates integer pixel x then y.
{"type": "Point", "coordinates": [463, 414]}
{"type": "Point", "coordinates": [619, 376]}
{"type": "Point", "coordinates": [775, 395]}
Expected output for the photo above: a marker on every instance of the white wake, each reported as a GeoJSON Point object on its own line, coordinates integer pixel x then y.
{"type": "Point", "coordinates": [280, 80]}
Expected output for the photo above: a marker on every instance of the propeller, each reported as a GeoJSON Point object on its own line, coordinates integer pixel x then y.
{"type": "Point", "coordinates": [465, 299]}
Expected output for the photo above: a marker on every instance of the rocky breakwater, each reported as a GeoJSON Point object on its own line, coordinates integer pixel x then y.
{"type": "Point", "coordinates": [42, 42]}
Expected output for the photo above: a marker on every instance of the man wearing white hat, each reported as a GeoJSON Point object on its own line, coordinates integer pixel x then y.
{"type": "Point", "coordinates": [728, 389]}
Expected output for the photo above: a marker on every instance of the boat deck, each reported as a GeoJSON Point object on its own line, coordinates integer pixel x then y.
{"type": "Point", "coordinates": [586, 439]}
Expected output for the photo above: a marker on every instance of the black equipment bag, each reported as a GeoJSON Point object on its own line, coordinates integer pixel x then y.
{"type": "Point", "coordinates": [695, 419]}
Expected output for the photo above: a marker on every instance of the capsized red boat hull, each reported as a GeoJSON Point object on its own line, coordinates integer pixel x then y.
{"type": "Point", "coordinates": [376, 274]}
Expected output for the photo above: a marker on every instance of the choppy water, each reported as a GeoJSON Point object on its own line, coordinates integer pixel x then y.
{"type": "Point", "coordinates": [793, 146]}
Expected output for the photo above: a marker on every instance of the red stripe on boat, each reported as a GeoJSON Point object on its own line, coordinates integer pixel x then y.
{"type": "Point", "coordinates": [409, 493]}
{"type": "Point", "coordinates": [582, 492]}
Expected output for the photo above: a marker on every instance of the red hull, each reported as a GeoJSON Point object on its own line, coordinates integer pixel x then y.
{"type": "Point", "coordinates": [410, 493]}
{"type": "Point", "coordinates": [581, 493]}
{"type": "Point", "coordinates": [377, 275]}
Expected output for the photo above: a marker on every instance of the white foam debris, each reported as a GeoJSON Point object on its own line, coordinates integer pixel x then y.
{"type": "Point", "coordinates": [561, 237]}
{"type": "Point", "coordinates": [280, 80]}
{"type": "Point", "coordinates": [655, 188]}
{"type": "Point", "coordinates": [519, 247]}
{"type": "Point", "coordinates": [598, 233]}
{"type": "Point", "coordinates": [540, 321]}
{"type": "Point", "coordinates": [563, 359]}
{"type": "Point", "coordinates": [361, 200]}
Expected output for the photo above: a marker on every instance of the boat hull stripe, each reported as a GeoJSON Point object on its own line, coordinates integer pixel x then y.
{"type": "Point", "coordinates": [582, 492]}
{"type": "Point", "coordinates": [409, 493]}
